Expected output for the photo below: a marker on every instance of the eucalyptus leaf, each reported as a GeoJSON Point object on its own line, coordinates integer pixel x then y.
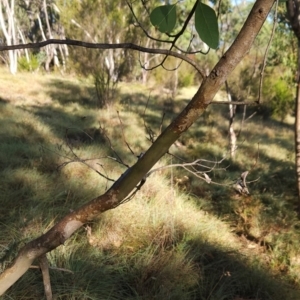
{"type": "Point", "coordinates": [206, 24]}
{"type": "Point", "coordinates": [164, 18]}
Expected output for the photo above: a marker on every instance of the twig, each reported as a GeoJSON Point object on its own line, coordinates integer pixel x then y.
{"type": "Point", "coordinates": [252, 103]}
{"type": "Point", "coordinates": [266, 55]}
{"type": "Point", "coordinates": [43, 262]}
{"type": "Point", "coordinates": [123, 135]}
{"type": "Point", "coordinates": [119, 160]}
{"type": "Point", "coordinates": [148, 129]}
{"type": "Point", "coordinates": [240, 185]}
{"type": "Point", "coordinates": [161, 122]}
{"type": "Point", "coordinates": [53, 268]}
{"type": "Point", "coordinates": [77, 159]}
{"type": "Point", "coordinates": [174, 36]}
{"type": "Point", "coordinates": [199, 174]}
{"type": "Point", "coordinates": [252, 115]}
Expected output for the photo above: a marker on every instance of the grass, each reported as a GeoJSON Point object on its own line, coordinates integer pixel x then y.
{"type": "Point", "coordinates": [179, 238]}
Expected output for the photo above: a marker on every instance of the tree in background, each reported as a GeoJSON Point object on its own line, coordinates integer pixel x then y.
{"type": "Point", "coordinates": [34, 21]}
{"type": "Point", "coordinates": [293, 15]}
{"type": "Point", "coordinates": [82, 22]}
{"type": "Point", "coordinates": [9, 30]}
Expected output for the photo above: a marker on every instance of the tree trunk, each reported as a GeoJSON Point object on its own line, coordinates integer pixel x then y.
{"type": "Point", "coordinates": [293, 14]}
{"type": "Point", "coordinates": [9, 33]}
{"type": "Point", "coordinates": [231, 132]}
{"type": "Point", "coordinates": [52, 53]}
{"type": "Point", "coordinates": [297, 128]}
{"type": "Point", "coordinates": [60, 232]}
{"type": "Point", "coordinates": [24, 41]}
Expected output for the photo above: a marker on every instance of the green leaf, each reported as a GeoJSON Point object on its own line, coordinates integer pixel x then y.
{"type": "Point", "coordinates": [206, 24]}
{"type": "Point", "coordinates": [164, 18]}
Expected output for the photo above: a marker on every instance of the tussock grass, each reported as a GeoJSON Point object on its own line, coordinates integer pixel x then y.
{"type": "Point", "coordinates": [173, 240]}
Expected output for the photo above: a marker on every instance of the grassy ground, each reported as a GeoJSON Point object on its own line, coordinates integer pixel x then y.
{"type": "Point", "coordinates": [179, 238]}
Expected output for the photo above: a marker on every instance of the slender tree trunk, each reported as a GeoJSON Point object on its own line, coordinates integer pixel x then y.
{"type": "Point", "coordinates": [9, 33]}
{"type": "Point", "coordinates": [293, 14]}
{"type": "Point", "coordinates": [297, 128]}
{"type": "Point", "coordinates": [145, 64]}
{"type": "Point", "coordinates": [231, 132]}
{"type": "Point", "coordinates": [52, 48]}
{"type": "Point", "coordinates": [48, 48]}
{"type": "Point", "coordinates": [24, 41]}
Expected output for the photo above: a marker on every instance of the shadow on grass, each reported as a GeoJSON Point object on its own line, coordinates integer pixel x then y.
{"type": "Point", "coordinates": [67, 92]}
{"type": "Point", "coordinates": [3, 100]}
{"type": "Point", "coordinates": [191, 269]}
{"type": "Point", "coordinates": [34, 194]}
{"type": "Point", "coordinates": [268, 216]}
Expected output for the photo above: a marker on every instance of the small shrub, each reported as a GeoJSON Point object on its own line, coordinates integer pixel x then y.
{"type": "Point", "coordinates": [105, 86]}
{"type": "Point", "coordinates": [30, 65]}
{"type": "Point", "coordinates": [280, 96]}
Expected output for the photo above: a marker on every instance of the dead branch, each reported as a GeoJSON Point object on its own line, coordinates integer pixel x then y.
{"type": "Point", "coordinates": [43, 262]}
{"type": "Point", "coordinates": [240, 185]}
{"type": "Point", "coordinates": [53, 268]}
{"type": "Point", "coordinates": [149, 131]}
{"type": "Point", "coordinates": [193, 168]}
{"type": "Point", "coordinates": [123, 135]}
{"type": "Point", "coordinates": [118, 158]}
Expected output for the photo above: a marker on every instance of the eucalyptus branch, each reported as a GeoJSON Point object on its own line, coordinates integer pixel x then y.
{"type": "Point", "coordinates": [191, 52]}
{"type": "Point", "coordinates": [252, 103]}
{"type": "Point", "coordinates": [175, 36]}
{"type": "Point", "coordinates": [104, 46]}
{"type": "Point", "coordinates": [191, 168]}
{"type": "Point", "coordinates": [185, 24]}
{"type": "Point", "coordinates": [172, 42]}
{"type": "Point", "coordinates": [161, 64]}
{"type": "Point", "coordinates": [143, 29]}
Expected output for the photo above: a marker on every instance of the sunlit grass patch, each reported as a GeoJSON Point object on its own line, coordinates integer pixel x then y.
{"type": "Point", "coordinates": [171, 241]}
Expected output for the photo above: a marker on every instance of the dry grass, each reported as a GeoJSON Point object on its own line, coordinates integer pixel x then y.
{"type": "Point", "coordinates": [200, 243]}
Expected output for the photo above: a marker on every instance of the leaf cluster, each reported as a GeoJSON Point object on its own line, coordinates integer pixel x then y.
{"type": "Point", "coordinates": [164, 19]}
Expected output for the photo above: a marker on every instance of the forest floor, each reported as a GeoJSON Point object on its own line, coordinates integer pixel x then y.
{"type": "Point", "coordinates": [179, 237]}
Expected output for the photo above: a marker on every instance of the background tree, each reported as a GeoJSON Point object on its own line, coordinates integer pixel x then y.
{"type": "Point", "coordinates": [293, 15]}
{"type": "Point", "coordinates": [9, 30]}
{"type": "Point", "coordinates": [33, 21]}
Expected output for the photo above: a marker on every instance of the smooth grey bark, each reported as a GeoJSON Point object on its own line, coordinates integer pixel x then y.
{"type": "Point", "coordinates": [9, 32]}
{"type": "Point", "coordinates": [297, 126]}
{"type": "Point", "coordinates": [231, 132]}
{"type": "Point", "coordinates": [51, 53]}
{"type": "Point", "coordinates": [60, 232]}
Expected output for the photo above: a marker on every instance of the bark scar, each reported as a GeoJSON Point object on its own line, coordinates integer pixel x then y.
{"type": "Point", "coordinates": [215, 73]}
